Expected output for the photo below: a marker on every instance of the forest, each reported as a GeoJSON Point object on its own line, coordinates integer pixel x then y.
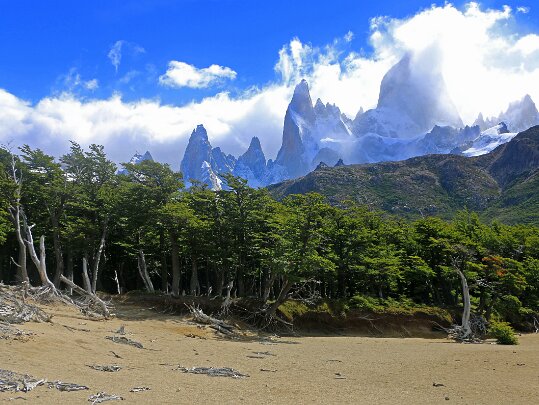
{"type": "Point", "coordinates": [140, 229]}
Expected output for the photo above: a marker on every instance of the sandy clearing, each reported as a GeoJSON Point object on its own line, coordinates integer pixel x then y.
{"type": "Point", "coordinates": [304, 370]}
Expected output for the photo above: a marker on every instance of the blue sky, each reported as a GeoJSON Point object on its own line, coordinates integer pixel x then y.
{"type": "Point", "coordinates": [42, 41]}
{"type": "Point", "coordinates": [58, 56]}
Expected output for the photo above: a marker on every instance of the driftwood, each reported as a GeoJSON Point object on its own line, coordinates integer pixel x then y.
{"type": "Point", "coordinates": [11, 381]}
{"type": "Point", "coordinates": [139, 389]}
{"type": "Point", "coordinates": [68, 387]}
{"type": "Point", "coordinates": [108, 368]}
{"type": "Point", "coordinates": [213, 371]}
{"type": "Point", "coordinates": [15, 309]}
{"type": "Point", "coordinates": [8, 331]}
{"type": "Point", "coordinates": [200, 317]}
{"type": "Point", "coordinates": [125, 341]}
{"type": "Point", "coordinates": [103, 397]}
{"type": "Point", "coordinates": [90, 302]}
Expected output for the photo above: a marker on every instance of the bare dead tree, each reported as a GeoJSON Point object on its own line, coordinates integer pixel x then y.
{"type": "Point", "coordinates": [143, 271]}
{"type": "Point", "coordinates": [39, 261]}
{"type": "Point", "coordinates": [472, 327]}
{"type": "Point", "coordinates": [85, 278]}
{"type": "Point", "coordinates": [98, 254]}
{"type": "Point", "coordinates": [15, 212]}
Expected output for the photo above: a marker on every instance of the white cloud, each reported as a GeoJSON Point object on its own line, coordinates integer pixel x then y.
{"type": "Point", "coordinates": [124, 127]}
{"type": "Point", "coordinates": [115, 52]}
{"type": "Point", "coordinates": [72, 82]}
{"type": "Point", "coordinates": [181, 74]}
{"type": "Point", "coordinates": [486, 63]}
{"type": "Point", "coordinates": [523, 10]}
{"type": "Point", "coordinates": [91, 84]}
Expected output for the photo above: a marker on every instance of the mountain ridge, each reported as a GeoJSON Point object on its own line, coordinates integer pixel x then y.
{"type": "Point", "coordinates": [435, 184]}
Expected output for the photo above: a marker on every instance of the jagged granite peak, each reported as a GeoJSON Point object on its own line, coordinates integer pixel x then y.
{"type": "Point", "coordinates": [520, 115]}
{"type": "Point", "coordinates": [339, 163]}
{"type": "Point", "coordinates": [319, 107]}
{"type": "Point", "coordinates": [223, 163]}
{"type": "Point", "coordinates": [302, 103]}
{"type": "Point", "coordinates": [198, 151]}
{"type": "Point", "coordinates": [299, 118]}
{"type": "Point", "coordinates": [413, 99]}
{"type": "Point", "coordinates": [137, 159]}
{"type": "Point", "coordinates": [359, 113]}
{"type": "Point", "coordinates": [254, 159]}
{"type": "Point", "coordinates": [480, 122]}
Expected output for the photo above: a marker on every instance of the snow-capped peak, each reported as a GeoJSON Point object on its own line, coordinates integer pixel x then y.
{"type": "Point", "coordinates": [489, 140]}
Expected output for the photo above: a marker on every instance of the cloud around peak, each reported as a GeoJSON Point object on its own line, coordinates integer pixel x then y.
{"type": "Point", "coordinates": [181, 74]}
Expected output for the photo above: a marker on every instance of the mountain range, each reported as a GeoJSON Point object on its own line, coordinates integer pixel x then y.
{"type": "Point", "coordinates": [414, 116]}
{"type": "Point", "coordinates": [502, 184]}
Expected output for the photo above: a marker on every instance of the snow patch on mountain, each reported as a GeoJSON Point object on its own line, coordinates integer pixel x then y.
{"type": "Point", "coordinates": [489, 140]}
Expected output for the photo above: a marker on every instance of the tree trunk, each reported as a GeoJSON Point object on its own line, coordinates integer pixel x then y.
{"type": "Point", "coordinates": [194, 285]}
{"type": "Point", "coordinates": [164, 267]}
{"type": "Point", "coordinates": [85, 278]}
{"type": "Point", "coordinates": [220, 282]}
{"type": "Point", "coordinates": [175, 264]}
{"type": "Point", "coordinates": [467, 306]}
{"type": "Point", "coordinates": [143, 271]}
{"type": "Point", "coordinates": [98, 254]}
{"type": "Point", "coordinates": [69, 269]}
{"type": "Point", "coordinates": [268, 283]}
{"type": "Point", "coordinates": [40, 262]}
{"type": "Point", "coordinates": [59, 257]}
{"type": "Point", "coordinates": [22, 272]}
{"type": "Point", "coordinates": [283, 295]}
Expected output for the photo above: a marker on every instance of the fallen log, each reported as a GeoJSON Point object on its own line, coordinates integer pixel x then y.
{"type": "Point", "coordinates": [200, 317]}
{"type": "Point", "coordinates": [101, 305]}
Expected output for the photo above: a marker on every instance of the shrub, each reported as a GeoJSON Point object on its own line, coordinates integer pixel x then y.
{"type": "Point", "coordinates": [365, 303]}
{"type": "Point", "coordinates": [503, 332]}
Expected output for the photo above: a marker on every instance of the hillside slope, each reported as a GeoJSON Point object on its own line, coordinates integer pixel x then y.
{"type": "Point", "coordinates": [502, 184]}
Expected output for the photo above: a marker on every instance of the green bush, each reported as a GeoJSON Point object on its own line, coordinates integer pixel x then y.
{"type": "Point", "coordinates": [503, 332]}
{"type": "Point", "coordinates": [365, 303]}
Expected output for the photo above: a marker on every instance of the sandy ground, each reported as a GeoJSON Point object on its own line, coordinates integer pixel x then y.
{"type": "Point", "coordinates": [330, 370]}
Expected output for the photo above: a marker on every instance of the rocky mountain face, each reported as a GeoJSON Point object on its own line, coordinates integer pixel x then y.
{"type": "Point", "coordinates": [311, 134]}
{"type": "Point", "coordinates": [414, 117]}
{"type": "Point", "coordinates": [519, 116]}
{"type": "Point", "coordinates": [502, 184]}
{"type": "Point", "coordinates": [136, 159]}
{"type": "Point", "coordinates": [413, 99]}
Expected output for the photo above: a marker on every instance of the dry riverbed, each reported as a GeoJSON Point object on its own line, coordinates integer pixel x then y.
{"type": "Point", "coordinates": [299, 370]}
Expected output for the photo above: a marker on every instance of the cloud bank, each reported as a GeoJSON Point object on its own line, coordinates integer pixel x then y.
{"type": "Point", "coordinates": [485, 60]}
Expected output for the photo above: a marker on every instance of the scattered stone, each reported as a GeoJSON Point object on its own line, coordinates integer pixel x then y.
{"type": "Point", "coordinates": [435, 384]}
